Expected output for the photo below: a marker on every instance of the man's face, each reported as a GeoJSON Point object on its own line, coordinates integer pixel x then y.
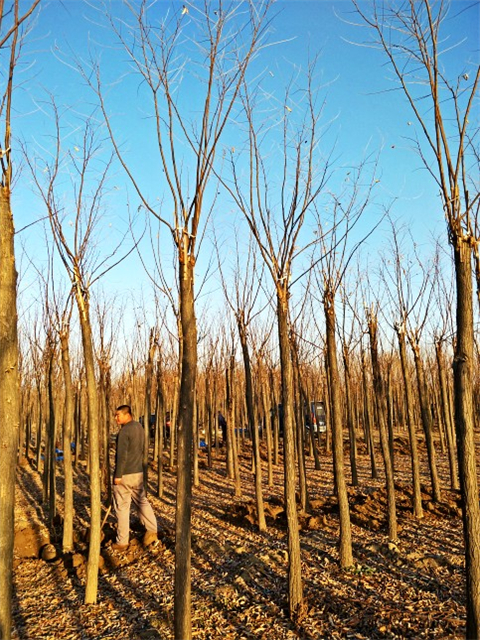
{"type": "Point", "coordinates": [122, 418]}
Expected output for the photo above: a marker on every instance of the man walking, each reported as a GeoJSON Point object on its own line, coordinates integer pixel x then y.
{"type": "Point", "coordinates": [128, 480]}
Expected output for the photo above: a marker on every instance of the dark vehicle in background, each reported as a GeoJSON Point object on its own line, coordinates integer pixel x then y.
{"type": "Point", "coordinates": [316, 419]}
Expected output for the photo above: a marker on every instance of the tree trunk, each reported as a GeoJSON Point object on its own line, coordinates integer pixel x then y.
{"type": "Point", "coordinates": [174, 411]}
{"type": "Point", "coordinates": [328, 408]}
{"type": "Point", "coordinates": [196, 475]}
{"type": "Point", "coordinates": [345, 541]}
{"type": "Point", "coordinates": [232, 441]}
{"type": "Point", "coordinates": [368, 417]}
{"type": "Point", "coordinates": [52, 442]}
{"type": "Point", "coordinates": [103, 425]}
{"type": "Point", "coordinates": [464, 426]}
{"type": "Point", "coordinates": [426, 415]}
{"type": "Point", "coordinates": [91, 587]}
{"type": "Point", "coordinates": [10, 406]}
{"type": "Point", "coordinates": [268, 430]}
{"type": "Point", "coordinates": [77, 423]}
{"type": "Point", "coordinates": [229, 408]}
{"type": "Point", "coordinates": [446, 416]}
{"type": "Point", "coordinates": [295, 586]}
{"type": "Point", "coordinates": [262, 524]}
{"type": "Point", "coordinates": [417, 493]}
{"type": "Point", "coordinates": [186, 413]}
{"type": "Point", "coordinates": [209, 436]}
{"type": "Point", "coordinates": [147, 409]}
{"type": "Point", "coordinates": [274, 417]}
{"type": "Point", "coordinates": [107, 429]}
{"type": "Point", "coordinates": [352, 432]}
{"type": "Point", "coordinates": [68, 510]}
{"type": "Point", "coordinates": [39, 431]}
{"type": "Point", "coordinates": [301, 403]}
{"type": "Point", "coordinates": [28, 433]}
{"type": "Point", "coordinates": [379, 388]}
{"type": "Point", "coordinates": [48, 458]}
{"type": "Point", "coordinates": [390, 418]}
{"type": "Point", "coordinates": [23, 430]}
{"type": "Point", "coordinates": [160, 422]}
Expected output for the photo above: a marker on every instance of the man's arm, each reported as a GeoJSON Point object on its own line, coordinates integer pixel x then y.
{"type": "Point", "coordinates": [122, 447]}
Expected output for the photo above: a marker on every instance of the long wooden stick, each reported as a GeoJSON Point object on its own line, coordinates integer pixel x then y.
{"type": "Point", "coordinates": [106, 516]}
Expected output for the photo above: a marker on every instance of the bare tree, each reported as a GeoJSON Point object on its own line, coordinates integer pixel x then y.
{"type": "Point", "coordinates": [63, 323]}
{"type": "Point", "coordinates": [275, 216]}
{"type": "Point", "coordinates": [442, 336]}
{"type": "Point", "coordinates": [380, 402]}
{"type": "Point", "coordinates": [411, 36]}
{"type": "Point", "coordinates": [350, 339]}
{"type": "Point", "coordinates": [337, 253]}
{"type": "Point", "coordinates": [262, 374]}
{"type": "Point", "coordinates": [414, 323]}
{"type": "Point", "coordinates": [107, 329]}
{"type": "Point", "coordinates": [399, 284]}
{"type": "Point", "coordinates": [242, 302]}
{"type": "Point", "coordinates": [228, 36]}
{"type": "Point", "coordinates": [57, 321]}
{"type": "Point", "coordinates": [149, 368]}
{"type": "Point", "coordinates": [233, 464]}
{"type": "Point", "coordinates": [78, 254]}
{"type": "Point", "coordinates": [11, 39]}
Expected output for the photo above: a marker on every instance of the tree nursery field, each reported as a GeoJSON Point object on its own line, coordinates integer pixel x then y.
{"type": "Point", "coordinates": [410, 589]}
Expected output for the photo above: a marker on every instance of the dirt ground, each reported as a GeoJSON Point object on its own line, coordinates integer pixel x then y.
{"type": "Point", "coordinates": [411, 589]}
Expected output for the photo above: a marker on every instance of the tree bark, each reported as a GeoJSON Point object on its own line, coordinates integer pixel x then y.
{"type": "Point", "coordinates": [10, 406]}
{"type": "Point", "coordinates": [52, 440]}
{"type": "Point", "coordinates": [232, 441]}
{"type": "Point", "coordinates": [91, 587]}
{"type": "Point", "coordinates": [379, 388]}
{"type": "Point", "coordinates": [301, 402]}
{"type": "Point", "coordinates": [147, 409]}
{"type": "Point", "coordinates": [417, 493]}
{"type": "Point", "coordinates": [295, 586]}
{"type": "Point", "coordinates": [328, 408]}
{"type": "Point", "coordinates": [268, 429]}
{"type": "Point", "coordinates": [352, 432]}
{"type": "Point", "coordinates": [368, 418]}
{"type": "Point", "coordinates": [160, 422]}
{"type": "Point", "coordinates": [345, 541]}
{"type": "Point", "coordinates": [39, 430]}
{"type": "Point", "coordinates": [229, 409]}
{"type": "Point", "coordinates": [182, 607]}
{"type": "Point", "coordinates": [426, 416]}
{"type": "Point", "coordinates": [464, 426]}
{"type": "Point", "coordinates": [390, 418]}
{"type": "Point", "coordinates": [274, 416]}
{"type": "Point", "coordinates": [68, 510]}
{"type": "Point", "coordinates": [262, 524]}
{"type": "Point", "coordinates": [446, 416]}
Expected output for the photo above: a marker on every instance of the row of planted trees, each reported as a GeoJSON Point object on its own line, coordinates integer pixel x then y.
{"type": "Point", "coordinates": [275, 212]}
{"type": "Point", "coordinates": [375, 394]}
{"type": "Point", "coordinates": [417, 393]}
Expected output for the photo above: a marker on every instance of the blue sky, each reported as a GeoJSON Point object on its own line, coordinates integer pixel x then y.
{"type": "Point", "coordinates": [365, 118]}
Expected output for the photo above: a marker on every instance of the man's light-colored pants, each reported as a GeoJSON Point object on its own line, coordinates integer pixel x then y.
{"type": "Point", "coordinates": [132, 489]}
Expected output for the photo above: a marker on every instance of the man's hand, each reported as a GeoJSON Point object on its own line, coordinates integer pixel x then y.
{"type": "Point", "coordinates": [117, 481]}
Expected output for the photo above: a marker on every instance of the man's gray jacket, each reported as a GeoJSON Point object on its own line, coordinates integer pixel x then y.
{"type": "Point", "coordinates": [129, 453]}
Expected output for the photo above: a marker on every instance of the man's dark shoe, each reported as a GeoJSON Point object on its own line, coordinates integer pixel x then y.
{"type": "Point", "coordinates": [149, 538]}
{"type": "Point", "coordinates": [119, 547]}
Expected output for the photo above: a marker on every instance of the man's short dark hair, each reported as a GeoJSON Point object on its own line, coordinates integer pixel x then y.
{"type": "Point", "coordinates": [124, 408]}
